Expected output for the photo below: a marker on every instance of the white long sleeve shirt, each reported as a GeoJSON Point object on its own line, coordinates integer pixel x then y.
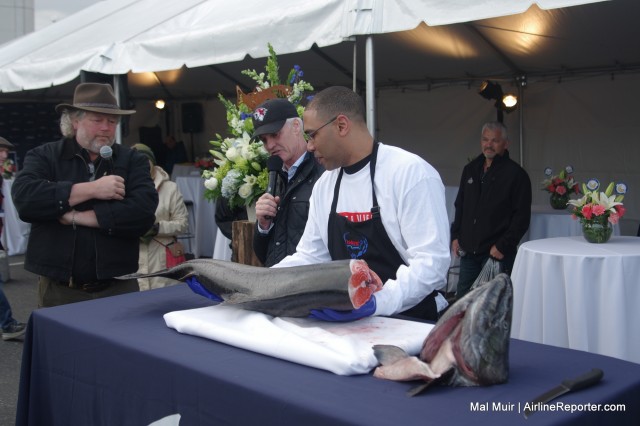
{"type": "Point", "coordinates": [411, 197]}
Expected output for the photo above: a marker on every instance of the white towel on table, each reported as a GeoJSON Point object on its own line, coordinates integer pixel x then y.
{"type": "Point", "coordinates": [342, 348]}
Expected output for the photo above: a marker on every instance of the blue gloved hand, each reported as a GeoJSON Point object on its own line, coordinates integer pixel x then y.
{"type": "Point", "coordinates": [332, 315]}
{"type": "Point", "coordinates": [198, 288]}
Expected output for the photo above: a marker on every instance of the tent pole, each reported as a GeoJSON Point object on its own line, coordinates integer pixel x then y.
{"type": "Point", "coordinates": [370, 81]}
{"type": "Point", "coordinates": [355, 64]}
{"type": "Point", "coordinates": [521, 121]}
{"type": "Point", "coordinates": [116, 89]}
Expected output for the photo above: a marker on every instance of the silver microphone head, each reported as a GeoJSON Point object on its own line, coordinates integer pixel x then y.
{"type": "Point", "coordinates": [106, 152]}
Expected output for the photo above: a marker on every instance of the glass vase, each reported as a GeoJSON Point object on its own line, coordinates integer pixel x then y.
{"type": "Point", "coordinates": [598, 231]}
{"type": "Point", "coordinates": [559, 202]}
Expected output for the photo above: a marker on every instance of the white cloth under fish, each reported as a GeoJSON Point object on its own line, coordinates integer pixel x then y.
{"type": "Point", "coordinates": [342, 348]}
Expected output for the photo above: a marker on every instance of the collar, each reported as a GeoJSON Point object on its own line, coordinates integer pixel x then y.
{"type": "Point", "coordinates": [356, 167]}
{"type": "Point", "coordinates": [294, 168]}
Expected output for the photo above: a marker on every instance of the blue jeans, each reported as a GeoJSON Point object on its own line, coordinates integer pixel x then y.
{"type": "Point", "coordinates": [470, 267]}
{"type": "Point", "coordinates": [6, 318]}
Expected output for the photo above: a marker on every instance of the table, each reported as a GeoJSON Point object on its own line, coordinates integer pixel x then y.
{"type": "Point", "coordinates": [222, 248]}
{"type": "Point", "coordinates": [450, 194]}
{"type": "Point", "coordinates": [547, 222]}
{"type": "Point", "coordinates": [15, 232]}
{"type": "Point", "coordinates": [204, 228]}
{"type": "Point", "coordinates": [574, 294]}
{"type": "Point", "coordinates": [186, 169]}
{"type": "Point", "coordinates": [114, 361]}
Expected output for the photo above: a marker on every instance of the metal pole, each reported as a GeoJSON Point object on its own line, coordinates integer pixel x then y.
{"type": "Point", "coordinates": [116, 89]}
{"type": "Point", "coordinates": [521, 121]}
{"type": "Point", "coordinates": [370, 83]}
{"type": "Point", "coordinates": [355, 64]}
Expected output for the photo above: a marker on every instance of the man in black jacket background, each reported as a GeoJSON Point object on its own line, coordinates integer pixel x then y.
{"type": "Point", "coordinates": [280, 220]}
{"type": "Point", "coordinates": [493, 208]}
{"type": "Point", "coordinates": [87, 207]}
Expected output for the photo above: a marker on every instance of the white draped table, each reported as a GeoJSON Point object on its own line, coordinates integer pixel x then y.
{"type": "Point", "coordinates": [15, 232]}
{"type": "Point", "coordinates": [204, 229]}
{"type": "Point", "coordinates": [578, 295]}
{"type": "Point", "coordinates": [184, 169]}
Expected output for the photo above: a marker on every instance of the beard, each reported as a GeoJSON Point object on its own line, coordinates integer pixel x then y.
{"type": "Point", "coordinates": [94, 144]}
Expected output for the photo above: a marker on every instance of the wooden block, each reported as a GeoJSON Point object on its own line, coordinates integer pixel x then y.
{"type": "Point", "coordinates": [242, 243]}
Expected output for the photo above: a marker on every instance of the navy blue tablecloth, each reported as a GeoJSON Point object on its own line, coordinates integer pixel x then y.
{"type": "Point", "coordinates": [114, 362]}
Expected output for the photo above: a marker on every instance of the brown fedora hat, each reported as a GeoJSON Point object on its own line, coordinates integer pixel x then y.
{"type": "Point", "coordinates": [95, 97]}
{"type": "Point", "coordinates": [6, 144]}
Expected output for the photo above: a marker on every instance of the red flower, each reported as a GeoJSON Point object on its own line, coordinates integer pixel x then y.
{"type": "Point", "coordinates": [598, 210]}
{"type": "Point", "coordinates": [586, 211]}
{"type": "Point", "coordinates": [621, 210]}
{"type": "Point", "coordinates": [561, 190]}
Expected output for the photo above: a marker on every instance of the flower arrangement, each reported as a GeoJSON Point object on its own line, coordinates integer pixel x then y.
{"type": "Point", "coordinates": [203, 163]}
{"type": "Point", "coordinates": [241, 174]}
{"type": "Point", "coordinates": [597, 206]}
{"type": "Point", "coordinates": [561, 184]}
{"type": "Point", "coordinates": [8, 169]}
{"type": "Point", "coordinates": [597, 211]}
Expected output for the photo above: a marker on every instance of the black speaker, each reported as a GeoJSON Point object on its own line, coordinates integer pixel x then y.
{"type": "Point", "coordinates": [192, 117]}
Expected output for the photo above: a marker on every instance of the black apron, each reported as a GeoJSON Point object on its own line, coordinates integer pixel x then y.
{"type": "Point", "coordinates": [368, 240]}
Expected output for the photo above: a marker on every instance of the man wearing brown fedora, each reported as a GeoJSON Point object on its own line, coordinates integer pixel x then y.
{"type": "Point", "coordinates": [88, 201]}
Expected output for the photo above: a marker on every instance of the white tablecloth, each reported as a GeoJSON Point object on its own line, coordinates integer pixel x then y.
{"type": "Point", "coordinates": [192, 189]}
{"type": "Point", "coordinates": [184, 170]}
{"type": "Point", "coordinates": [450, 194]}
{"type": "Point", "coordinates": [222, 248]}
{"type": "Point", "coordinates": [15, 233]}
{"type": "Point", "coordinates": [547, 222]}
{"type": "Point", "coordinates": [579, 295]}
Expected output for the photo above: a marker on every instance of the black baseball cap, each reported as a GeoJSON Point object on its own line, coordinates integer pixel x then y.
{"type": "Point", "coordinates": [270, 116]}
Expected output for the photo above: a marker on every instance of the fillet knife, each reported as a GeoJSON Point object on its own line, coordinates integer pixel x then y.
{"type": "Point", "coordinates": [569, 385]}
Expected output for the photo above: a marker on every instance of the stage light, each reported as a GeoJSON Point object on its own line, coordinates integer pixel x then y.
{"type": "Point", "coordinates": [509, 100]}
{"type": "Point", "coordinates": [490, 90]}
{"type": "Point", "coordinates": [160, 104]}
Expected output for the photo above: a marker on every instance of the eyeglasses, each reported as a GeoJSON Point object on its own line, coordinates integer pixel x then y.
{"type": "Point", "coordinates": [310, 136]}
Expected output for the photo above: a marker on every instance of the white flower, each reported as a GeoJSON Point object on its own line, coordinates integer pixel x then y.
{"type": "Point", "coordinates": [251, 179]}
{"type": "Point", "coordinates": [211, 183]}
{"type": "Point", "coordinates": [245, 190]}
{"type": "Point", "coordinates": [608, 202]}
{"type": "Point", "coordinates": [232, 154]}
{"type": "Point", "coordinates": [248, 153]}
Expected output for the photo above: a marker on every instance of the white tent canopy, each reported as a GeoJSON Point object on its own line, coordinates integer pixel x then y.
{"type": "Point", "coordinates": [119, 36]}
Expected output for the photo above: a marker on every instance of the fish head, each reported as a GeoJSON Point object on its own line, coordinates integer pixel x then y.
{"type": "Point", "coordinates": [477, 328]}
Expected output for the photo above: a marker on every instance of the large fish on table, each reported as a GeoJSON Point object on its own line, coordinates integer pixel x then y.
{"type": "Point", "coordinates": [469, 345]}
{"type": "Point", "coordinates": [292, 291]}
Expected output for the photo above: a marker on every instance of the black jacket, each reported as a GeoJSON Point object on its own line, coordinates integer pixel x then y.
{"type": "Point", "coordinates": [492, 210]}
{"type": "Point", "coordinates": [41, 195]}
{"type": "Point", "coordinates": [289, 223]}
{"type": "Point", "coordinates": [225, 216]}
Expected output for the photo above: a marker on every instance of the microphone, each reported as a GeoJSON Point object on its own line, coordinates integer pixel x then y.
{"type": "Point", "coordinates": [274, 165]}
{"type": "Point", "coordinates": [106, 153]}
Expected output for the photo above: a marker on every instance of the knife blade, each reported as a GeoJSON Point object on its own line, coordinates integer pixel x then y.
{"type": "Point", "coordinates": [569, 385]}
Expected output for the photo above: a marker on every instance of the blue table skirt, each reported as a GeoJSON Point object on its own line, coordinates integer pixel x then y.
{"type": "Point", "coordinates": [115, 362]}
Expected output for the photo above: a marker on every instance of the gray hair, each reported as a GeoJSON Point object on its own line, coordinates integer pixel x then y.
{"type": "Point", "coordinates": [292, 119]}
{"type": "Point", "coordinates": [66, 121]}
{"type": "Point", "coordinates": [496, 125]}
